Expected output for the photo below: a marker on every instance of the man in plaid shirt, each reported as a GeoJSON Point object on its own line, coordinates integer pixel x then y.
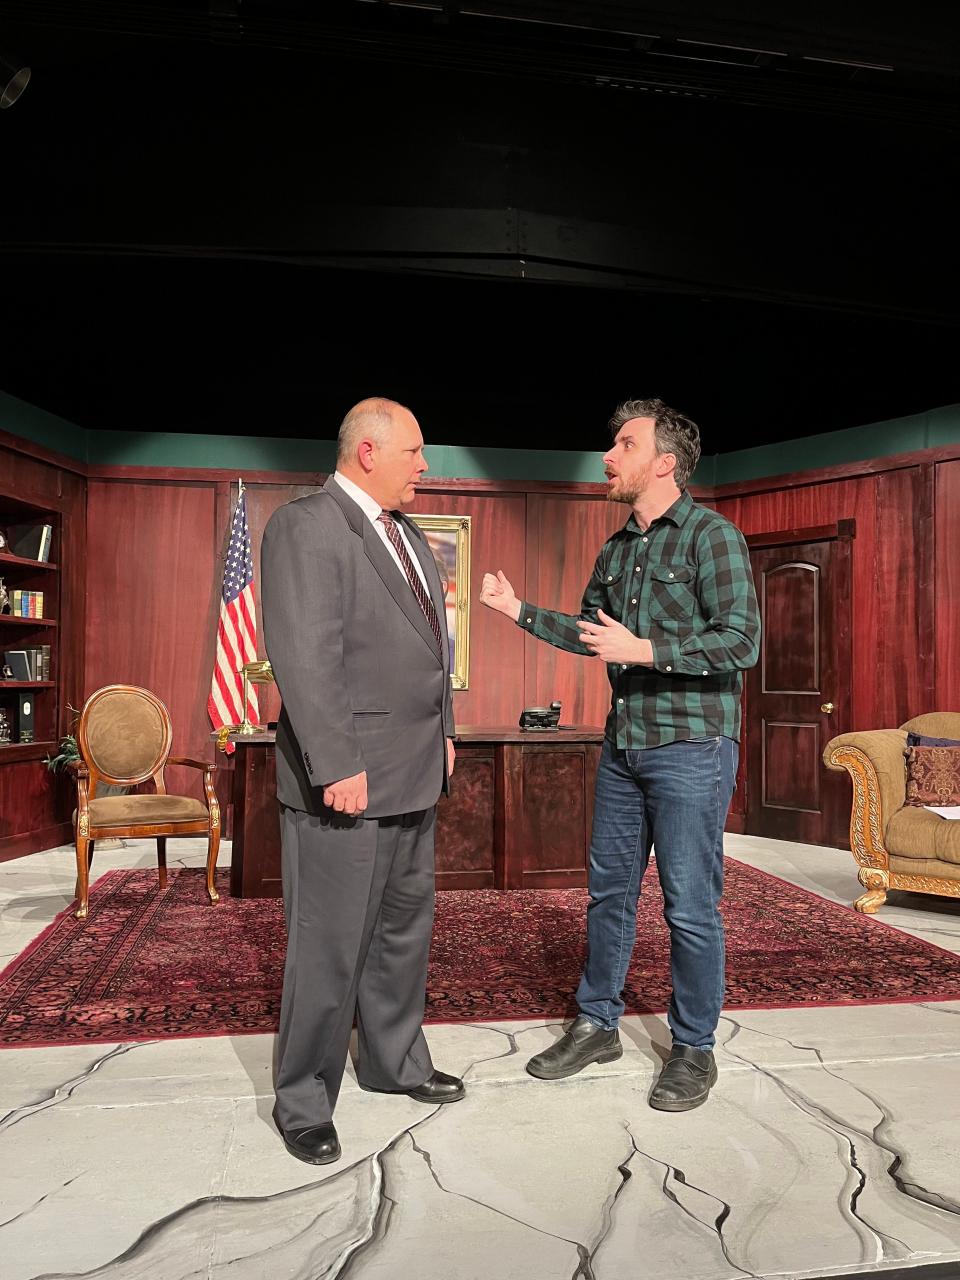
{"type": "Point", "coordinates": [671, 609]}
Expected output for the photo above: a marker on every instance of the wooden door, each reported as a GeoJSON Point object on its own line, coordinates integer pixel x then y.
{"type": "Point", "coordinates": [798, 694]}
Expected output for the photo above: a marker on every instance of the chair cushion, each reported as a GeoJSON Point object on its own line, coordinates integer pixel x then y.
{"type": "Point", "coordinates": [933, 775]}
{"type": "Point", "coordinates": [919, 834]}
{"type": "Point", "coordinates": [926, 867]}
{"type": "Point", "coordinates": [120, 811]}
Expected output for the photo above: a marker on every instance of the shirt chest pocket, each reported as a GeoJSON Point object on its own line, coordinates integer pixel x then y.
{"type": "Point", "coordinates": [613, 581]}
{"type": "Point", "coordinates": [672, 592]}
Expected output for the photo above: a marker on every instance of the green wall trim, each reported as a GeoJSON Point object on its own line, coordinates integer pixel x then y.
{"type": "Point", "coordinates": [263, 453]}
{"type": "Point", "coordinates": [30, 423]}
{"type": "Point", "coordinates": [856, 444]}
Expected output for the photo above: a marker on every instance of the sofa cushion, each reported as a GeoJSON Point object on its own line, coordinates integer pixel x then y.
{"type": "Point", "coordinates": [921, 740]}
{"type": "Point", "coordinates": [933, 775]}
{"type": "Point", "coordinates": [919, 835]}
{"type": "Point", "coordinates": [124, 811]}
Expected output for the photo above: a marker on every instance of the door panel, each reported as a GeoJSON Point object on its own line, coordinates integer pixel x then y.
{"type": "Point", "coordinates": [804, 667]}
{"type": "Point", "coordinates": [791, 766]}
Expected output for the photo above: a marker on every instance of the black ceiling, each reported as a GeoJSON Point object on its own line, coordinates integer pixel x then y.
{"type": "Point", "coordinates": [240, 217]}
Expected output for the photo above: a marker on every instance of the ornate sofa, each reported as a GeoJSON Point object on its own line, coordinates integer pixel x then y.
{"type": "Point", "coordinates": [896, 846]}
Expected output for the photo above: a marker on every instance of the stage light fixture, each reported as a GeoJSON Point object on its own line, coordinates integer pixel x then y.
{"type": "Point", "coordinates": [14, 78]}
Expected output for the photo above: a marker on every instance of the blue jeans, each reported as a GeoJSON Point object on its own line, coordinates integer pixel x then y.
{"type": "Point", "coordinates": [675, 798]}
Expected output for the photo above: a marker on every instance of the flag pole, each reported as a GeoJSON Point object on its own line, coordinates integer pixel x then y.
{"type": "Point", "coordinates": [240, 483]}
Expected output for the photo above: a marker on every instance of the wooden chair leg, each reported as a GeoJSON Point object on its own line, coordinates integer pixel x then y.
{"type": "Point", "coordinates": [81, 891]}
{"type": "Point", "coordinates": [162, 860]}
{"type": "Point", "coordinates": [213, 848]}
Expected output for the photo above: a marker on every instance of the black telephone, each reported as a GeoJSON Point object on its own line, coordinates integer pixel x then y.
{"type": "Point", "coordinates": [541, 717]}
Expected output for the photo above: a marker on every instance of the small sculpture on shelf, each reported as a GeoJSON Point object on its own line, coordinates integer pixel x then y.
{"type": "Point", "coordinates": [4, 542]}
{"type": "Point", "coordinates": [4, 597]}
{"type": "Point", "coordinates": [6, 672]}
{"type": "Point", "coordinates": [4, 728]}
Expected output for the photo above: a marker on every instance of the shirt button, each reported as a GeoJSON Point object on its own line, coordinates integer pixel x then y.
{"type": "Point", "coordinates": [620, 700]}
{"type": "Point", "coordinates": [671, 575]}
{"type": "Point", "coordinates": [706, 673]}
{"type": "Point", "coordinates": [634, 600]}
{"type": "Point", "coordinates": [609, 577]}
{"type": "Point", "coordinates": [529, 619]}
{"type": "Point", "coordinates": [668, 668]}
{"type": "Point", "coordinates": [646, 539]}
{"type": "Point", "coordinates": [623, 666]}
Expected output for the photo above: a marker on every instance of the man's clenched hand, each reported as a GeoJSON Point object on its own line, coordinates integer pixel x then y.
{"type": "Point", "coordinates": [348, 796]}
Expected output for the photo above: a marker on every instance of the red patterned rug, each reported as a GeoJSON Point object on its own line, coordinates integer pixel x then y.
{"type": "Point", "coordinates": [149, 965]}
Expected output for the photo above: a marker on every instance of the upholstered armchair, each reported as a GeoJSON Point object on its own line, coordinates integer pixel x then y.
{"type": "Point", "coordinates": [897, 846]}
{"type": "Point", "coordinates": [124, 735]}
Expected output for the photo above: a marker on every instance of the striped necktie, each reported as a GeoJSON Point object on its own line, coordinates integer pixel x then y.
{"type": "Point", "coordinates": [419, 590]}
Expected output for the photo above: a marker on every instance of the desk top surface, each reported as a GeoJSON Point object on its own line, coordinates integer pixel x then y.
{"type": "Point", "coordinates": [471, 733]}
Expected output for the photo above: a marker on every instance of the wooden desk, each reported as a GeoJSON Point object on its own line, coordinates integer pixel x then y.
{"type": "Point", "coordinates": [519, 815]}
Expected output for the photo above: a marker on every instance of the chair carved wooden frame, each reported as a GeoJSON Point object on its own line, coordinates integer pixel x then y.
{"type": "Point", "coordinates": [124, 735]}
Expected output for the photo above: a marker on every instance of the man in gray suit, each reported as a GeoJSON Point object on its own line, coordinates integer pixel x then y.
{"type": "Point", "coordinates": [352, 609]}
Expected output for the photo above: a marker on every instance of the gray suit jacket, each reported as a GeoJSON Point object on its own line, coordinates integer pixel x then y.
{"type": "Point", "coordinates": [363, 683]}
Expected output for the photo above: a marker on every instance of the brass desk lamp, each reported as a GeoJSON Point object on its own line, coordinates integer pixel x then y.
{"type": "Point", "coordinates": [259, 672]}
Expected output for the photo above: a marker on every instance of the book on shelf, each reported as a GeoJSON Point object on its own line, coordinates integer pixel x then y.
{"type": "Point", "coordinates": [26, 604]}
{"type": "Point", "coordinates": [31, 541]}
{"type": "Point", "coordinates": [32, 663]}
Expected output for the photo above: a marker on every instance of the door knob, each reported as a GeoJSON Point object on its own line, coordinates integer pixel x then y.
{"type": "Point", "coordinates": [827, 708]}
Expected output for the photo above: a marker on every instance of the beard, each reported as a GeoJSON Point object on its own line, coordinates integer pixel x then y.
{"type": "Point", "coordinates": [627, 489]}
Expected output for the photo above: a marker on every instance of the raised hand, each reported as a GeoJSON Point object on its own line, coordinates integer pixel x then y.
{"type": "Point", "coordinates": [497, 593]}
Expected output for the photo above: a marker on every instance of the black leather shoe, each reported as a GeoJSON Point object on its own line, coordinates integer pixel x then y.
{"type": "Point", "coordinates": [439, 1087]}
{"type": "Point", "coordinates": [317, 1145]}
{"type": "Point", "coordinates": [686, 1079]}
{"type": "Point", "coordinates": [584, 1043]}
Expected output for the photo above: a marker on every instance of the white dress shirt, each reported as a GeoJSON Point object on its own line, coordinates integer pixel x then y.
{"type": "Point", "coordinates": [371, 509]}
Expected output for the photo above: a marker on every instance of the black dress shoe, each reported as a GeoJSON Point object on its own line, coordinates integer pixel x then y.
{"type": "Point", "coordinates": [686, 1079]}
{"type": "Point", "coordinates": [439, 1087]}
{"type": "Point", "coordinates": [317, 1145]}
{"type": "Point", "coordinates": [584, 1043]}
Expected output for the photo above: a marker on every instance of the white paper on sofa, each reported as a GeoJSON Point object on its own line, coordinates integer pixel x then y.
{"type": "Point", "coordinates": [947, 811]}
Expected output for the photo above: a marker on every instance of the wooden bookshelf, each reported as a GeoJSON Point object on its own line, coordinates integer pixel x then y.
{"type": "Point", "coordinates": [18, 562]}
{"type": "Point", "coordinates": [16, 632]}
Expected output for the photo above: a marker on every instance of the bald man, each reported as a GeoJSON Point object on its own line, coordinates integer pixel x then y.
{"type": "Point", "coordinates": [353, 623]}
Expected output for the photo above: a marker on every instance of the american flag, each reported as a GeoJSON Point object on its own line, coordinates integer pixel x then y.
{"type": "Point", "coordinates": [236, 630]}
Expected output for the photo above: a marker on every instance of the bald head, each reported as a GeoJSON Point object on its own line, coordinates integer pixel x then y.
{"type": "Point", "coordinates": [371, 419]}
{"type": "Point", "coordinates": [380, 448]}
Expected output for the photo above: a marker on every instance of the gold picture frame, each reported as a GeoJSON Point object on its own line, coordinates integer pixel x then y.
{"type": "Point", "coordinates": [449, 539]}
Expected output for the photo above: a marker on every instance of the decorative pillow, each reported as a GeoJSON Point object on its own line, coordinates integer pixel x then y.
{"type": "Point", "coordinates": [921, 740]}
{"type": "Point", "coordinates": [933, 775]}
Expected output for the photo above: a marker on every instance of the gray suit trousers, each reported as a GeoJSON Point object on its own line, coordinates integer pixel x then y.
{"type": "Point", "coordinates": [359, 896]}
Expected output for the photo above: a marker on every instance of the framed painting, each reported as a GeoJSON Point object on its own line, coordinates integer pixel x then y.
{"type": "Point", "coordinates": [449, 539]}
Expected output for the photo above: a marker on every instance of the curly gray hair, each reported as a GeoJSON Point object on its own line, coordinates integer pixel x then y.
{"type": "Point", "coordinates": [674, 433]}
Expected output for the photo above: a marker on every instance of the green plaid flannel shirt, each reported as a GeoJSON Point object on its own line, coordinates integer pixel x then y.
{"type": "Point", "coordinates": [686, 585]}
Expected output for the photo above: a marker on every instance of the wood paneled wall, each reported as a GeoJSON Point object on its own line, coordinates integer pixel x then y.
{"type": "Point", "coordinates": [156, 552]}
{"type": "Point", "coordinates": [945, 577]}
{"type": "Point", "coordinates": [902, 617]}
{"type": "Point", "coordinates": [145, 556]}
